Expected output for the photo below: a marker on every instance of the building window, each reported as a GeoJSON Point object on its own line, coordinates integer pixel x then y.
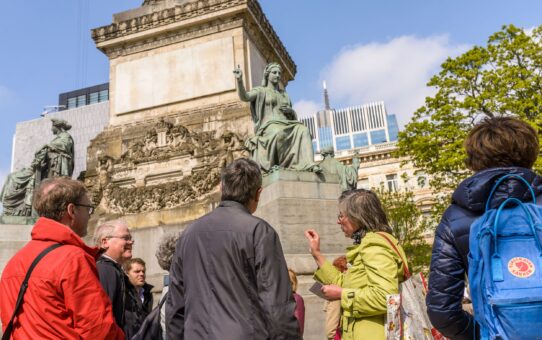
{"type": "Point", "coordinates": [378, 136]}
{"type": "Point", "coordinates": [72, 103]}
{"type": "Point", "coordinates": [364, 183]}
{"type": "Point", "coordinates": [360, 140]}
{"type": "Point", "coordinates": [81, 100]}
{"type": "Point", "coordinates": [343, 143]}
{"type": "Point", "coordinates": [93, 98]}
{"type": "Point", "coordinates": [421, 178]}
{"type": "Point", "coordinates": [391, 180]}
{"type": "Point", "coordinates": [104, 95]}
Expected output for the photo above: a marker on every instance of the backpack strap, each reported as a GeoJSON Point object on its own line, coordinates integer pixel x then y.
{"type": "Point", "coordinates": [505, 177]}
{"type": "Point", "coordinates": [24, 286]}
{"type": "Point", "coordinates": [406, 272]}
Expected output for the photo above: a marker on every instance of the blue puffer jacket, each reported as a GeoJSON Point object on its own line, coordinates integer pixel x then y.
{"type": "Point", "coordinates": [451, 246]}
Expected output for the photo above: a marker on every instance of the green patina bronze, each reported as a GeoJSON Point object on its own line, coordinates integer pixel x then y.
{"type": "Point", "coordinates": [51, 160]}
{"type": "Point", "coordinates": [348, 174]}
{"type": "Point", "coordinates": [280, 140]}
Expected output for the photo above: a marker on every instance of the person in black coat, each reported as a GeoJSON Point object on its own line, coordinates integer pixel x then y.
{"type": "Point", "coordinates": [116, 241]}
{"type": "Point", "coordinates": [139, 296]}
{"type": "Point", "coordinates": [495, 147]}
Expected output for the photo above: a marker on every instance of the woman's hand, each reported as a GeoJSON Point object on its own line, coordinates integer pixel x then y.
{"type": "Point", "coordinates": [332, 292]}
{"type": "Point", "coordinates": [314, 246]}
{"type": "Point", "coordinates": [314, 241]}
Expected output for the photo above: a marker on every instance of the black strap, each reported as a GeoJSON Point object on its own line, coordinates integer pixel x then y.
{"type": "Point", "coordinates": [24, 286]}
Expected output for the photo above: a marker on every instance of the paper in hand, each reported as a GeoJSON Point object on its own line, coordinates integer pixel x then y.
{"type": "Point", "coordinates": [316, 289]}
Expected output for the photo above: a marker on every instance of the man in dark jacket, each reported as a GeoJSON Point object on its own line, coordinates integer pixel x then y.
{"type": "Point", "coordinates": [115, 238]}
{"type": "Point", "coordinates": [495, 147]}
{"type": "Point", "coordinates": [228, 278]}
{"type": "Point", "coordinates": [138, 297]}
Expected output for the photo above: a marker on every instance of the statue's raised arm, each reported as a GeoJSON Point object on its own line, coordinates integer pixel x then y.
{"type": "Point", "coordinates": [280, 140]}
{"type": "Point", "coordinates": [243, 94]}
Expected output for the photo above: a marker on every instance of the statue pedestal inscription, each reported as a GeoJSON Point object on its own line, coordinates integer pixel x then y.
{"type": "Point", "coordinates": [293, 201]}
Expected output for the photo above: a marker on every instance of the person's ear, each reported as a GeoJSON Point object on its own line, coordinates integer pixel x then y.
{"type": "Point", "coordinates": [258, 193]}
{"type": "Point", "coordinates": [70, 210]}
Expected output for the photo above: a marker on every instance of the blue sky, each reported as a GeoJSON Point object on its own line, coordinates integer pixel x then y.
{"type": "Point", "coordinates": [366, 50]}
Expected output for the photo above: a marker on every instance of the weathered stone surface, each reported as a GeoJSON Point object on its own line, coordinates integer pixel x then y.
{"type": "Point", "coordinates": [12, 238]}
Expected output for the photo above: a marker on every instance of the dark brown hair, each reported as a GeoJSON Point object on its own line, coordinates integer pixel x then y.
{"type": "Point", "coordinates": [128, 264]}
{"type": "Point", "coordinates": [241, 180]}
{"type": "Point", "coordinates": [54, 194]}
{"type": "Point", "coordinates": [501, 142]}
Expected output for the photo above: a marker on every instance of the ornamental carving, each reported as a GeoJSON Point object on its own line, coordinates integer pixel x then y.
{"type": "Point", "coordinates": [188, 162]}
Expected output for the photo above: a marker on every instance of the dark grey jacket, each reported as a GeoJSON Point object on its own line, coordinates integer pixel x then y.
{"type": "Point", "coordinates": [229, 280]}
{"type": "Point", "coordinates": [114, 282]}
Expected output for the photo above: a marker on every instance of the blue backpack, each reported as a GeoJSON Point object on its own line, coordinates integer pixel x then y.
{"type": "Point", "coordinates": [505, 268]}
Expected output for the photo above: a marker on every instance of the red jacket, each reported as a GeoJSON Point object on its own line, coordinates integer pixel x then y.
{"type": "Point", "coordinates": [64, 299]}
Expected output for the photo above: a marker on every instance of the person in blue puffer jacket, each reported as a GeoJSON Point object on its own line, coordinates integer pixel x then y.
{"type": "Point", "coordinates": [495, 147]}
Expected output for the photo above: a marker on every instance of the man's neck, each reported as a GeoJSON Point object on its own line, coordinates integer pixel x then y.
{"type": "Point", "coordinates": [110, 258]}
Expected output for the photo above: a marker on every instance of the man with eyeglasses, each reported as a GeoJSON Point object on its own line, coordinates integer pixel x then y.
{"type": "Point", "coordinates": [64, 298]}
{"type": "Point", "coordinates": [115, 240]}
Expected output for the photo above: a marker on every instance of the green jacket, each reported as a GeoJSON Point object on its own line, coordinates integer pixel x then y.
{"type": "Point", "coordinates": [375, 271]}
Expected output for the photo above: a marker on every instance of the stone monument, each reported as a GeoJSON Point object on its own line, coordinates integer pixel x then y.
{"type": "Point", "coordinates": [176, 120]}
{"type": "Point", "coordinates": [348, 174]}
{"type": "Point", "coordinates": [51, 160]}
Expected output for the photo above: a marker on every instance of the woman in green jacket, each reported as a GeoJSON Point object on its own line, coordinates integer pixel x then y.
{"type": "Point", "coordinates": [375, 267]}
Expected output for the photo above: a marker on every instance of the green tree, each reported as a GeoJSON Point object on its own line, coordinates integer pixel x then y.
{"type": "Point", "coordinates": [502, 78]}
{"type": "Point", "coordinates": [409, 225]}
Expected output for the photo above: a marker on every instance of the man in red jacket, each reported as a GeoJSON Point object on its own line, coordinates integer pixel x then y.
{"type": "Point", "coordinates": [64, 299]}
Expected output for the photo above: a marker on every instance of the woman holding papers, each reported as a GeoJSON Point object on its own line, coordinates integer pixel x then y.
{"type": "Point", "coordinates": [375, 266]}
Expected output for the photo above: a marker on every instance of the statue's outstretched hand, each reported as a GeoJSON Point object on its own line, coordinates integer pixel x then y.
{"type": "Point", "coordinates": [238, 73]}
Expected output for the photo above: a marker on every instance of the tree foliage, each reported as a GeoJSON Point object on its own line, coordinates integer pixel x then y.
{"type": "Point", "coordinates": [502, 78]}
{"type": "Point", "coordinates": [409, 225]}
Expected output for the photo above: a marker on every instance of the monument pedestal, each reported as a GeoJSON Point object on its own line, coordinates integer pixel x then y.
{"type": "Point", "coordinates": [293, 201]}
{"type": "Point", "coordinates": [12, 238]}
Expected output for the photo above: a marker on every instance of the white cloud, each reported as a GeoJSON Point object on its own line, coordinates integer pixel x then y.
{"type": "Point", "coordinates": [395, 72]}
{"type": "Point", "coordinates": [305, 108]}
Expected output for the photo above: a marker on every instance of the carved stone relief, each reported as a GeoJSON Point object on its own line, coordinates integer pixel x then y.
{"type": "Point", "coordinates": [116, 189]}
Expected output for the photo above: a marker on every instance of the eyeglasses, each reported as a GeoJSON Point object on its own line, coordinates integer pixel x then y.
{"type": "Point", "coordinates": [127, 238]}
{"type": "Point", "coordinates": [90, 207]}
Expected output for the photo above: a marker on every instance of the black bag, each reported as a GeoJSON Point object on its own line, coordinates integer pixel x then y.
{"type": "Point", "coordinates": [22, 290]}
{"type": "Point", "coordinates": [151, 328]}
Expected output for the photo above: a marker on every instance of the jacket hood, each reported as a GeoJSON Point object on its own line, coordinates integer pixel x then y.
{"type": "Point", "coordinates": [49, 230]}
{"type": "Point", "coordinates": [473, 192]}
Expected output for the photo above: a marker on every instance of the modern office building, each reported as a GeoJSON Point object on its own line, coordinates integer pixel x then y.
{"type": "Point", "coordinates": [355, 127]}
{"type": "Point", "coordinates": [87, 110]}
{"type": "Point", "coordinates": [372, 133]}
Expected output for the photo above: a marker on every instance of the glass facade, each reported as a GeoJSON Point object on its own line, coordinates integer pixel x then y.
{"type": "Point", "coordinates": [82, 97]}
{"type": "Point", "coordinates": [360, 140]}
{"type": "Point", "coordinates": [343, 143]}
{"type": "Point", "coordinates": [378, 136]}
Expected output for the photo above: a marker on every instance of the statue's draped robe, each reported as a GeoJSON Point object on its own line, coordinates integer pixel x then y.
{"type": "Point", "coordinates": [60, 155]}
{"type": "Point", "coordinates": [17, 193]}
{"type": "Point", "coordinates": [348, 175]}
{"type": "Point", "coordinates": [278, 140]}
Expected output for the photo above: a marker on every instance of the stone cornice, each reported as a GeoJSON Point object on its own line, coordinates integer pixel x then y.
{"type": "Point", "coordinates": [190, 10]}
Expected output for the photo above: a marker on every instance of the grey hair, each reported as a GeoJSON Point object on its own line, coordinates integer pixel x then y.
{"type": "Point", "coordinates": [364, 210]}
{"type": "Point", "coordinates": [106, 229]}
{"type": "Point", "coordinates": [240, 180]}
{"type": "Point", "coordinates": [166, 249]}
